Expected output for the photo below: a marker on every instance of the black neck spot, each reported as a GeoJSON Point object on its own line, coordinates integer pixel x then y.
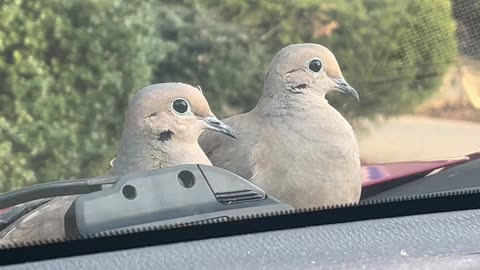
{"type": "Point", "coordinates": [151, 115]}
{"type": "Point", "coordinates": [300, 86]}
{"type": "Point", "coordinates": [165, 136]}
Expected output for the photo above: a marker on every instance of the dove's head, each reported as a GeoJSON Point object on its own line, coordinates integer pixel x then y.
{"type": "Point", "coordinates": [309, 70]}
{"type": "Point", "coordinates": [168, 112]}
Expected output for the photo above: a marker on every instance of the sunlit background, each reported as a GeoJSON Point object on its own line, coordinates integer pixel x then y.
{"type": "Point", "coordinates": [69, 67]}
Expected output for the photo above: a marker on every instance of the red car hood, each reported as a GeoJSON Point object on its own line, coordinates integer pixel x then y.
{"type": "Point", "coordinates": [375, 174]}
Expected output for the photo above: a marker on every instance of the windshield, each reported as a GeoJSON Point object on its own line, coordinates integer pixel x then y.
{"type": "Point", "coordinates": [90, 89]}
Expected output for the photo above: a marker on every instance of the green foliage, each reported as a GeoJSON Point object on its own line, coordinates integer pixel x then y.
{"type": "Point", "coordinates": [213, 54]}
{"type": "Point", "coordinates": [67, 69]}
{"type": "Point", "coordinates": [275, 22]}
{"type": "Point", "coordinates": [394, 52]}
{"type": "Point", "coordinates": [467, 14]}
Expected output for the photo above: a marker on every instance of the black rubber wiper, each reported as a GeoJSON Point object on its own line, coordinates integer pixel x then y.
{"type": "Point", "coordinates": [55, 189]}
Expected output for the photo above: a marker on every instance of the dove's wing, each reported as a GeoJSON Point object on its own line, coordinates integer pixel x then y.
{"type": "Point", "coordinates": [232, 154]}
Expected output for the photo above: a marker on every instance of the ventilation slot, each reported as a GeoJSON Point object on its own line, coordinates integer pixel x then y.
{"type": "Point", "coordinates": [238, 196]}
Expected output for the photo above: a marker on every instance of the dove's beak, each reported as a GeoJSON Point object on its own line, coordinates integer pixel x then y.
{"type": "Point", "coordinates": [346, 88]}
{"type": "Point", "coordinates": [217, 125]}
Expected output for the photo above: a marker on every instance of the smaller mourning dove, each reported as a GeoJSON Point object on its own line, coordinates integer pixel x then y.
{"type": "Point", "coordinates": [162, 126]}
{"type": "Point", "coordinates": [294, 144]}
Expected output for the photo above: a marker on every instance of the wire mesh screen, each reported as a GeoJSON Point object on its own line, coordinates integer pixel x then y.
{"type": "Point", "coordinates": [467, 14]}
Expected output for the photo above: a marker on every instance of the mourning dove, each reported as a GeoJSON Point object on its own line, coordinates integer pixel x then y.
{"type": "Point", "coordinates": [294, 144]}
{"type": "Point", "coordinates": [162, 126]}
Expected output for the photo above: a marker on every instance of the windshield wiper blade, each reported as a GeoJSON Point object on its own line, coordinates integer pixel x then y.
{"type": "Point", "coordinates": [55, 189]}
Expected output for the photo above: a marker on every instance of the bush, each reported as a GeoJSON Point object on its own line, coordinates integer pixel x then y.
{"type": "Point", "coordinates": [394, 52]}
{"type": "Point", "coordinates": [67, 69]}
{"type": "Point", "coordinates": [214, 54]}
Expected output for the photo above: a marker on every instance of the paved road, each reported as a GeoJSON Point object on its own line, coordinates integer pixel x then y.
{"type": "Point", "coordinates": [414, 138]}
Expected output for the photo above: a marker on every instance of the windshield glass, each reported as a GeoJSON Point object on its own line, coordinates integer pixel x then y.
{"type": "Point", "coordinates": [89, 88]}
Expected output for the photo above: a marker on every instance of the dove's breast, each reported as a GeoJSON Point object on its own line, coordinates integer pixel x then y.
{"type": "Point", "coordinates": [308, 164]}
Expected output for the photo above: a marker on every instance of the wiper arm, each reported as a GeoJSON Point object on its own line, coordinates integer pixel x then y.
{"type": "Point", "coordinates": [183, 193]}
{"type": "Point", "coordinates": [55, 189]}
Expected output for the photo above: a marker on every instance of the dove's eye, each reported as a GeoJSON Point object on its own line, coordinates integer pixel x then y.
{"type": "Point", "coordinates": [180, 106]}
{"type": "Point", "coordinates": [315, 65]}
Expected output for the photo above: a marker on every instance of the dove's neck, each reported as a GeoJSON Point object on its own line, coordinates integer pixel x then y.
{"type": "Point", "coordinates": [302, 113]}
{"type": "Point", "coordinates": [276, 101]}
{"type": "Point", "coordinates": [180, 152]}
{"type": "Point", "coordinates": [139, 152]}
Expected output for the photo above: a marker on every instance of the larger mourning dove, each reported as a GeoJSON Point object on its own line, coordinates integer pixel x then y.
{"type": "Point", "coordinates": [162, 126]}
{"type": "Point", "coordinates": [293, 144]}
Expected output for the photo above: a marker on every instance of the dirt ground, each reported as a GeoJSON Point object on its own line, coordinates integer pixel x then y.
{"type": "Point", "coordinates": [451, 112]}
{"type": "Point", "coordinates": [419, 138]}
{"type": "Point", "coordinates": [446, 125]}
